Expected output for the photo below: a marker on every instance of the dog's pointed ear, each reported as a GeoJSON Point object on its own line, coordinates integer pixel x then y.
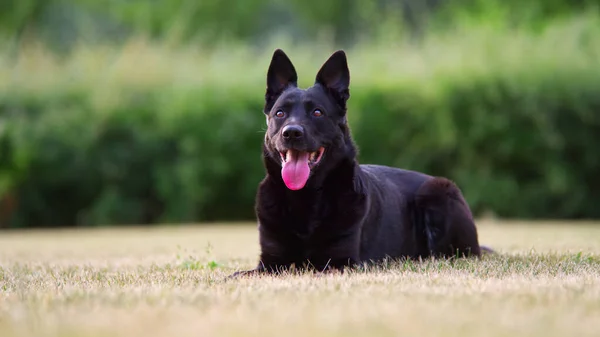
{"type": "Point", "coordinates": [334, 75]}
{"type": "Point", "coordinates": [281, 74]}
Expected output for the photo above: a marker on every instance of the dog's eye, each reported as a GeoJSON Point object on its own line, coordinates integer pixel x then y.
{"type": "Point", "coordinates": [279, 113]}
{"type": "Point", "coordinates": [317, 113]}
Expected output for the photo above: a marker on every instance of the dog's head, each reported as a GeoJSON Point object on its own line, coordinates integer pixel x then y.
{"type": "Point", "coordinates": [307, 133]}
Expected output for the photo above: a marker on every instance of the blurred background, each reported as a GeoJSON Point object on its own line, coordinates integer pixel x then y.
{"type": "Point", "coordinates": [116, 112]}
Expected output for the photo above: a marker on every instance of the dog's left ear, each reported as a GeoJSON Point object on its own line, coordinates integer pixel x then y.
{"type": "Point", "coordinates": [335, 77]}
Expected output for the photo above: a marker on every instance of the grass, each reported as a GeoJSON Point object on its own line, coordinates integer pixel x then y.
{"type": "Point", "coordinates": [168, 281]}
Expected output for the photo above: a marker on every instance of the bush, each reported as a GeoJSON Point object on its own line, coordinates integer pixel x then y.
{"type": "Point", "coordinates": [147, 134]}
{"type": "Point", "coordinates": [63, 22]}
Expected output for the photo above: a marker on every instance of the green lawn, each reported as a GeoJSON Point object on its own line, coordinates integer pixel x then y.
{"type": "Point", "coordinates": [168, 281]}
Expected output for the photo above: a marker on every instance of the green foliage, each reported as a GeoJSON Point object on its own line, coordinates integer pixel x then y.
{"type": "Point", "coordinates": [161, 156]}
{"type": "Point", "coordinates": [148, 134]}
{"type": "Point", "coordinates": [15, 14]}
{"type": "Point", "coordinates": [62, 22]}
{"type": "Point", "coordinates": [216, 19]}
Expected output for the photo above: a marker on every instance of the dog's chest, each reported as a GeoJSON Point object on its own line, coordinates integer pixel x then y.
{"type": "Point", "coordinates": [306, 218]}
{"type": "Point", "coordinates": [324, 217]}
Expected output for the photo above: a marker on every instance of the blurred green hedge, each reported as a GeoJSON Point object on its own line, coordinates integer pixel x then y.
{"type": "Point", "coordinates": [146, 134]}
{"type": "Point", "coordinates": [63, 22]}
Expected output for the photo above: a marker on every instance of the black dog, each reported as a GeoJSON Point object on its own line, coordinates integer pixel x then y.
{"type": "Point", "coordinates": [318, 207]}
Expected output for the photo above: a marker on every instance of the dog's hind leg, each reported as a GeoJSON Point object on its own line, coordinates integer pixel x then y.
{"type": "Point", "coordinates": [445, 220]}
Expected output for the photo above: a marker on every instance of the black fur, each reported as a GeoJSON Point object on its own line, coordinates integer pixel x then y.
{"type": "Point", "coordinates": [346, 213]}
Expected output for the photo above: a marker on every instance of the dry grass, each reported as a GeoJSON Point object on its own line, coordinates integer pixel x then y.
{"type": "Point", "coordinates": [169, 282]}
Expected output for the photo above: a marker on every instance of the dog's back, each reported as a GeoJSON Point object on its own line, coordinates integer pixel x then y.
{"type": "Point", "coordinates": [414, 214]}
{"type": "Point", "coordinates": [391, 191]}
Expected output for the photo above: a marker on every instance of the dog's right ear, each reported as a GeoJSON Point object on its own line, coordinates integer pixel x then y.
{"type": "Point", "coordinates": [281, 74]}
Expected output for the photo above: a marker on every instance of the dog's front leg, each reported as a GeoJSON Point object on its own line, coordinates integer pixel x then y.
{"type": "Point", "coordinates": [277, 255]}
{"type": "Point", "coordinates": [280, 250]}
{"type": "Point", "coordinates": [335, 253]}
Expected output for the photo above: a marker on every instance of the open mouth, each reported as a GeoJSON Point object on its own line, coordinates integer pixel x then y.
{"type": "Point", "coordinates": [313, 157]}
{"type": "Point", "coordinates": [296, 166]}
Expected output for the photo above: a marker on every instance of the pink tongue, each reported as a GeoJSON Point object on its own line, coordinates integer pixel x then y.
{"type": "Point", "coordinates": [295, 170]}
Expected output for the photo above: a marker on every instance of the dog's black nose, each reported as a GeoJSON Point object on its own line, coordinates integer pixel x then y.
{"type": "Point", "coordinates": [292, 132]}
